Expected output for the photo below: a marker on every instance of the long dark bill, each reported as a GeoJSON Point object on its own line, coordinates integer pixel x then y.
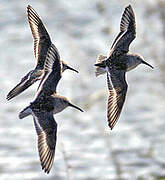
{"type": "Point", "coordinates": [75, 107]}
{"type": "Point", "coordinates": [72, 69]}
{"type": "Point", "coordinates": [143, 62]}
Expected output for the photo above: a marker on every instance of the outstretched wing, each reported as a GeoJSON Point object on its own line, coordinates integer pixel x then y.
{"type": "Point", "coordinates": [41, 37]}
{"type": "Point", "coordinates": [46, 129]}
{"type": "Point", "coordinates": [127, 32]}
{"type": "Point", "coordinates": [117, 86]}
{"type": "Point", "coordinates": [26, 82]}
{"type": "Point", "coordinates": [52, 72]}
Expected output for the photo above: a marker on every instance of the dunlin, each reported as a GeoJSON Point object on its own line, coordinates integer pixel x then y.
{"type": "Point", "coordinates": [42, 42]}
{"type": "Point", "coordinates": [117, 63]}
{"type": "Point", "coordinates": [45, 104]}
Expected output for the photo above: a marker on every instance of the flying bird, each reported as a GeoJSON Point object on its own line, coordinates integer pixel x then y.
{"type": "Point", "coordinates": [46, 103]}
{"type": "Point", "coordinates": [42, 43]}
{"type": "Point", "coordinates": [117, 63]}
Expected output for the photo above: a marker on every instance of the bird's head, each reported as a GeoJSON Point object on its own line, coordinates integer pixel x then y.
{"type": "Point", "coordinates": [141, 60]}
{"type": "Point", "coordinates": [65, 66]}
{"type": "Point", "coordinates": [66, 102]}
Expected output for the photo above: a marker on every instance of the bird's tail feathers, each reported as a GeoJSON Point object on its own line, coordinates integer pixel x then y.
{"type": "Point", "coordinates": [100, 65]}
{"type": "Point", "coordinates": [25, 112]}
{"type": "Point", "coordinates": [99, 71]}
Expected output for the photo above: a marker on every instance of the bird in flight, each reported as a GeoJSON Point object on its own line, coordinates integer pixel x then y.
{"type": "Point", "coordinates": [42, 43]}
{"type": "Point", "coordinates": [117, 63]}
{"type": "Point", "coordinates": [46, 103]}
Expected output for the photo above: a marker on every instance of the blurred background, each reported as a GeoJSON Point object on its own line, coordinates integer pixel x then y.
{"type": "Point", "coordinates": [86, 148]}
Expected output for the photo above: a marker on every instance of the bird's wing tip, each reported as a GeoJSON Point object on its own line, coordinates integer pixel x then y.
{"type": "Point", "coordinates": [29, 6]}
{"type": "Point", "coordinates": [111, 127]}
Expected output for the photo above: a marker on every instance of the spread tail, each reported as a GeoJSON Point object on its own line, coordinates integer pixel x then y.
{"type": "Point", "coordinates": [25, 112]}
{"type": "Point", "coordinates": [100, 67]}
